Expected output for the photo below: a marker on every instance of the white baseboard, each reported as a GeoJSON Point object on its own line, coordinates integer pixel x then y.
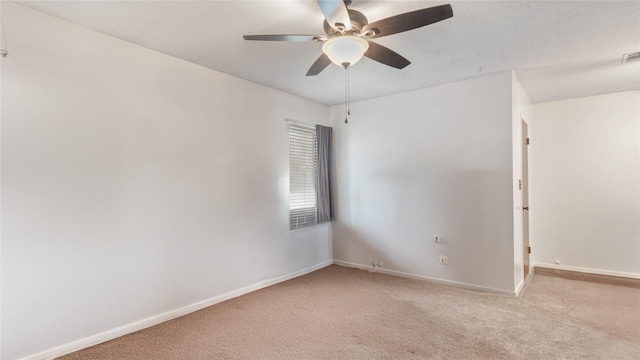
{"type": "Point", "coordinates": [519, 287]}
{"type": "Point", "coordinates": [587, 270]}
{"type": "Point", "coordinates": [169, 315]}
{"type": "Point", "coordinates": [421, 277]}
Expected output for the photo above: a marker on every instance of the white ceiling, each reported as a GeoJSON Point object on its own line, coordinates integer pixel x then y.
{"type": "Point", "coordinates": [559, 49]}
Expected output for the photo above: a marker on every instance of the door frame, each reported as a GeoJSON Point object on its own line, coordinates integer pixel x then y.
{"type": "Point", "coordinates": [526, 244]}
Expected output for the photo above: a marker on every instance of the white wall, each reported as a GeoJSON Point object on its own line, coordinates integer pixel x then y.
{"type": "Point", "coordinates": [585, 210]}
{"type": "Point", "coordinates": [521, 110]}
{"type": "Point", "coordinates": [134, 183]}
{"type": "Point", "coordinates": [426, 162]}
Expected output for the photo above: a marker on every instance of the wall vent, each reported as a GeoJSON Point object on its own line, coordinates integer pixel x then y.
{"type": "Point", "coordinates": [631, 57]}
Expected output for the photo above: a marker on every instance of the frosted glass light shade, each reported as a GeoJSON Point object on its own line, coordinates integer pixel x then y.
{"type": "Point", "coordinates": [347, 49]}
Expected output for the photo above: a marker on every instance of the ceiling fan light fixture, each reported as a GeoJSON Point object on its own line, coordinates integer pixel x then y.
{"type": "Point", "coordinates": [346, 49]}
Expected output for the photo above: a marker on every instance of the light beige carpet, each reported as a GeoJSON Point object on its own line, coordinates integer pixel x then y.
{"type": "Point", "coordinates": [342, 313]}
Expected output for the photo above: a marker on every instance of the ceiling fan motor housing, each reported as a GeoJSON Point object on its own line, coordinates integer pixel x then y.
{"type": "Point", "coordinates": [358, 21]}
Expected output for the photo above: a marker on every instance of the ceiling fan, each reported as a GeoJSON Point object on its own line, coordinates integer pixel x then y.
{"type": "Point", "coordinates": [348, 34]}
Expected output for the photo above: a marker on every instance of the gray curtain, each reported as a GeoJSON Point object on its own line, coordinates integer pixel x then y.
{"type": "Point", "coordinates": [325, 208]}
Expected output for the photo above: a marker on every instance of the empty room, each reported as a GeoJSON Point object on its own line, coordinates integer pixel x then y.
{"type": "Point", "coordinates": [319, 179]}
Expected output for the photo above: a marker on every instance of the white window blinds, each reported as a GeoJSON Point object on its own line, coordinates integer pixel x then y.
{"type": "Point", "coordinates": [302, 175]}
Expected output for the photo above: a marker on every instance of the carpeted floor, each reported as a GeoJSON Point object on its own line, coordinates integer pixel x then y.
{"type": "Point", "coordinates": [342, 313]}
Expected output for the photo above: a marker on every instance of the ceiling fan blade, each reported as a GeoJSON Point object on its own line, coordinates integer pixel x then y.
{"type": "Point", "coordinates": [320, 64]}
{"type": "Point", "coordinates": [284, 37]}
{"type": "Point", "coordinates": [336, 13]}
{"type": "Point", "coordinates": [386, 56]}
{"type": "Point", "coordinates": [407, 21]}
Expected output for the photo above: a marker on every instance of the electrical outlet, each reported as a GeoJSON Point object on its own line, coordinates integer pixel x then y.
{"type": "Point", "coordinates": [444, 260]}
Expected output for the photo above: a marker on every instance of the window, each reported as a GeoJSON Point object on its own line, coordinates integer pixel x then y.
{"type": "Point", "coordinates": [302, 175]}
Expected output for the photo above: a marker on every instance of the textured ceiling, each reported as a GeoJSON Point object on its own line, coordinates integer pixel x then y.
{"type": "Point", "coordinates": [559, 49]}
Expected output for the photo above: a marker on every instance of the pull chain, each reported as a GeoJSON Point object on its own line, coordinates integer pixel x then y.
{"type": "Point", "coordinates": [3, 40]}
{"type": "Point", "coordinates": [347, 95]}
{"type": "Point", "coordinates": [349, 91]}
